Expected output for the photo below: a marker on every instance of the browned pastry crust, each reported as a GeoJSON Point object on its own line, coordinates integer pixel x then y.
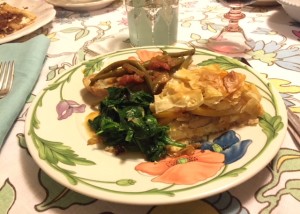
{"type": "Point", "coordinates": [13, 19]}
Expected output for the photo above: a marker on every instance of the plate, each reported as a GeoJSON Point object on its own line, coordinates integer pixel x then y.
{"type": "Point", "coordinates": [81, 6]}
{"type": "Point", "coordinates": [265, 3]}
{"type": "Point", "coordinates": [60, 147]}
{"type": "Point", "coordinates": [44, 12]}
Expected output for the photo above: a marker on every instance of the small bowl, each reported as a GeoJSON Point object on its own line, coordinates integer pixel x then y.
{"type": "Point", "coordinates": [292, 8]}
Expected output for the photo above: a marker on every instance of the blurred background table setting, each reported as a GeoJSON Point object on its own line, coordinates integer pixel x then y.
{"type": "Point", "coordinates": [66, 34]}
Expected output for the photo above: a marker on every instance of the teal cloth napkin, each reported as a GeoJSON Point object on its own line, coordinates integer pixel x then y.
{"type": "Point", "coordinates": [29, 58]}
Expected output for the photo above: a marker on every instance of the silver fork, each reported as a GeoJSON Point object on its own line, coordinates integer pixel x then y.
{"type": "Point", "coordinates": [294, 125]}
{"type": "Point", "coordinates": [7, 70]}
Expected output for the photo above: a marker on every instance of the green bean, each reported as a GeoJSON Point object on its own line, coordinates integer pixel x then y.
{"type": "Point", "coordinates": [182, 53]}
{"type": "Point", "coordinates": [186, 63]}
{"type": "Point", "coordinates": [140, 69]}
{"type": "Point", "coordinates": [132, 69]}
{"type": "Point", "coordinates": [114, 73]}
{"type": "Point", "coordinates": [113, 66]}
{"type": "Point", "coordinates": [178, 63]}
{"type": "Point", "coordinates": [108, 69]}
{"type": "Point", "coordinates": [143, 73]}
{"type": "Point", "coordinates": [114, 70]}
{"type": "Point", "coordinates": [137, 64]}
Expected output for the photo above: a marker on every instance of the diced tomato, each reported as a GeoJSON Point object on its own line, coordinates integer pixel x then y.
{"type": "Point", "coordinates": [128, 79]}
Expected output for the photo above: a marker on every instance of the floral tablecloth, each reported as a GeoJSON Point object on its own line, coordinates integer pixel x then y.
{"type": "Point", "coordinates": [76, 36]}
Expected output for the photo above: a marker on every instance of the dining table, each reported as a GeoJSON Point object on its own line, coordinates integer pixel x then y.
{"type": "Point", "coordinates": [76, 34]}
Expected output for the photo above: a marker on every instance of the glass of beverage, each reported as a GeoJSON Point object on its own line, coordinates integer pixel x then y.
{"type": "Point", "coordinates": [232, 38]}
{"type": "Point", "coordinates": [152, 22]}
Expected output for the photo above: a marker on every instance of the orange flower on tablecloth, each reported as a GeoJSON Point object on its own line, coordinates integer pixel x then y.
{"type": "Point", "coordinates": [185, 169]}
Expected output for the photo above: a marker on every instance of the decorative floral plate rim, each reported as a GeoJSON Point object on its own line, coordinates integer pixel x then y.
{"type": "Point", "coordinates": [44, 12]}
{"type": "Point", "coordinates": [57, 140]}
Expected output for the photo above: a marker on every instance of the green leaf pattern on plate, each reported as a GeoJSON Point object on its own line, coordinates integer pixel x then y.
{"type": "Point", "coordinates": [92, 65]}
{"type": "Point", "coordinates": [271, 125]}
{"type": "Point", "coordinates": [55, 152]}
{"type": "Point", "coordinates": [225, 63]}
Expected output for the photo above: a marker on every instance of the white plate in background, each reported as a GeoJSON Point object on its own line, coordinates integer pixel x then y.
{"type": "Point", "coordinates": [81, 5]}
{"type": "Point", "coordinates": [265, 3]}
{"type": "Point", "coordinates": [44, 12]}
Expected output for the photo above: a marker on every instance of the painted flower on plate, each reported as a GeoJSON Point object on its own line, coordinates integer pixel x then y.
{"type": "Point", "coordinates": [203, 164]}
{"type": "Point", "coordinates": [65, 108]}
{"type": "Point", "coordinates": [199, 166]}
{"type": "Point", "coordinates": [230, 145]}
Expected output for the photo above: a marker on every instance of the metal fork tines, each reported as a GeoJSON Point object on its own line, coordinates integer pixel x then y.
{"type": "Point", "coordinates": [6, 77]}
{"type": "Point", "coordinates": [294, 125]}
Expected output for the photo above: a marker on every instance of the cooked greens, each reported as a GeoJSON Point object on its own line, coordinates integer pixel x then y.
{"type": "Point", "coordinates": [127, 124]}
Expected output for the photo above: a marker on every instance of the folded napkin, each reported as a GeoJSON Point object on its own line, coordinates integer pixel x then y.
{"type": "Point", "coordinates": [29, 58]}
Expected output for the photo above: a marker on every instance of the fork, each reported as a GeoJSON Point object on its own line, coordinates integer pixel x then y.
{"type": "Point", "coordinates": [294, 125]}
{"type": "Point", "coordinates": [7, 70]}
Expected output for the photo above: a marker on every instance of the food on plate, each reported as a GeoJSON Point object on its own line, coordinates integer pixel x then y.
{"type": "Point", "coordinates": [204, 100]}
{"type": "Point", "coordinates": [149, 74]}
{"type": "Point", "coordinates": [13, 19]}
{"type": "Point", "coordinates": [173, 115]}
{"type": "Point", "coordinates": [126, 123]}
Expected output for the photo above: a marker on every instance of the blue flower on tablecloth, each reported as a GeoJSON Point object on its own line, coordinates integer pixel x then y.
{"type": "Point", "coordinates": [65, 108]}
{"type": "Point", "coordinates": [228, 144]}
{"type": "Point", "coordinates": [272, 53]}
{"type": "Point", "coordinates": [265, 31]}
{"type": "Point", "coordinates": [286, 98]}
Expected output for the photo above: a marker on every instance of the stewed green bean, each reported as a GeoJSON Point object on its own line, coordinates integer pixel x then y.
{"type": "Point", "coordinates": [122, 67]}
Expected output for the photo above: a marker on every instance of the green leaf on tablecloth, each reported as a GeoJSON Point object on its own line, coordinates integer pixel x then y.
{"type": "Point", "coordinates": [51, 75]}
{"type": "Point", "coordinates": [225, 62]}
{"type": "Point", "coordinates": [186, 23]}
{"type": "Point", "coordinates": [81, 54]}
{"type": "Point", "coordinates": [212, 27]}
{"type": "Point", "coordinates": [286, 160]}
{"type": "Point", "coordinates": [21, 140]}
{"type": "Point", "coordinates": [82, 33]}
{"type": "Point", "coordinates": [71, 30]}
{"type": "Point", "coordinates": [7, 196]}
{"type": "Point", "coordinates": [195, 36]}
{"type": "Point", "coordinates": [293, 187]}
{"type": "Point", "coordinates": [59, 196]}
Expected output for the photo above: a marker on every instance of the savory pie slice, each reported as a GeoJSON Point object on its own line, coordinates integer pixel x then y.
{"type": "Point", "coordinates": [200, 101]}
{"type": "Point", "coordinates": [13, 19]}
